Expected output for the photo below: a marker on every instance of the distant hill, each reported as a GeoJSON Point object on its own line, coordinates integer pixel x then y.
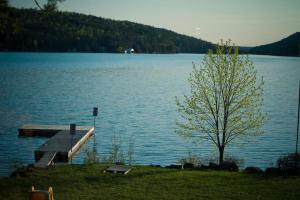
{"type": "Point", "coordinates": [289, 46]}
{"type": "Point", "coordinates": [33, 30]}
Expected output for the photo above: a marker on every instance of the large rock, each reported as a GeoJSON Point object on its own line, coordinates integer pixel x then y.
{"type": "Point", "coordinates": [204, 167]}
{"type": "Point", "coordinates": [229, 166]}
{"type": "Point", "coordinates": [213, 165]}
{"type": "Point", "coordinates": [188, 166]}
{"type": "Point", "coordinates": [253, 170]}
{"type": "Point", "coordinates": [290, 164]}
{"type": "Point", "coordinates": [174, 167]}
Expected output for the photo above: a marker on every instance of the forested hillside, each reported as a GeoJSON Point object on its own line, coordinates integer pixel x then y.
{"type": "Point", "coordinates": [289, 46]}
{"type": "Point", "coordinates": [37, 30]}
{"type": "Point", "coordinates": [34, 30]}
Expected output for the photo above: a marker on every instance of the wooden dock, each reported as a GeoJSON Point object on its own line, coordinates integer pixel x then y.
{"type": "Point", "coordinates": [61, 146]}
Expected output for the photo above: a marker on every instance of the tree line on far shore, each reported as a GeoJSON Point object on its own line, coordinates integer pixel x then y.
{"type": "Point", "coordinates": [46, 29]}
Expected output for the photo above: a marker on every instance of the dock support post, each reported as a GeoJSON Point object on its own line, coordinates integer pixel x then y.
{"type": "Point", "coordinates": [72, 132]}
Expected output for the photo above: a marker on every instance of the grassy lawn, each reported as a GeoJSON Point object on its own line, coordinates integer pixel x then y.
{"type": "Point", "coordinates": [88, 182]}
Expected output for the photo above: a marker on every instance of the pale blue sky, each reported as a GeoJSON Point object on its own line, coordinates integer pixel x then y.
{"type": "Point", "coordinates": [247, 23]}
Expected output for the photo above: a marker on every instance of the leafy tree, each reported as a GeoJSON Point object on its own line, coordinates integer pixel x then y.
{"type": "Point", "coordinates": [50, 6]}
{"type": "Point", "coordinates": [3, 15]}
{"type": "Point", "coordinates": [225, 100]}
{"type": "Point", "coordinates": [8, 23]}
{"type": "Point", "coordinates": [3, 4]}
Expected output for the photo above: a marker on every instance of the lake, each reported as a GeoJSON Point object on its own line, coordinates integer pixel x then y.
{"type": "Point", "coordinates": [136, 99]}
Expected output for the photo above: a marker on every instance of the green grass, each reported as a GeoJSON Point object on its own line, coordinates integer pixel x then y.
{"type": "Point", "coordinates": [88, 182]}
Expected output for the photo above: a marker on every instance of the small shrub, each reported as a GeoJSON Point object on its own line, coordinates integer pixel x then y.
{"type": "Point", "coordinates": [19, 169]}
{"type": "Point", "coordinates": [15, 165]}
{"type": "Point", "coordinates": [190, 159]}
{"type": "Point", "coordinates": [91, 157]}
{"type": "Point", "coordinates": [116, 153]}
{"type": "Point", "coordinates": [130, 151]}
{"type": "Point", "coordinates": [272, 171]}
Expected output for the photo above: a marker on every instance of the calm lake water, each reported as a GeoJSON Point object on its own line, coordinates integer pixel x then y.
{"type": "Point", "coordinates": [135, 95]}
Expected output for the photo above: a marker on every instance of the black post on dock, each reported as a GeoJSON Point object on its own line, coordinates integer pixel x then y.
{"type": "Point", "coordinates": [72, 132]}
{"type": "Point", "coordinates": [95, 114]}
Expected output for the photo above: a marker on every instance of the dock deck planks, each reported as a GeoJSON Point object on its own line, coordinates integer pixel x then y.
{"type": "Point", "coordinates": [53, 127]}
{"type": "Point", "coordinates": [31, 130]}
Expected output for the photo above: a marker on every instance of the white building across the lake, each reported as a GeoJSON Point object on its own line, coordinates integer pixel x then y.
{"type": "Point", "coordinates": [129, 51]}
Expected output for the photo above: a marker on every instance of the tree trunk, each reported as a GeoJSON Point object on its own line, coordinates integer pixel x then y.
{"type": "Point", "coordinates": [221, 156]}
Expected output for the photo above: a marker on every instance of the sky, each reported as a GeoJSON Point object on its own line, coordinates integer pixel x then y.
{"type": "Point", "coordinates": [245, 22]}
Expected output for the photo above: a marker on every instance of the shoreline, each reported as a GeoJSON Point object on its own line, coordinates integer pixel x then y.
{"type": "Point", "coordinates": [89, 182]}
